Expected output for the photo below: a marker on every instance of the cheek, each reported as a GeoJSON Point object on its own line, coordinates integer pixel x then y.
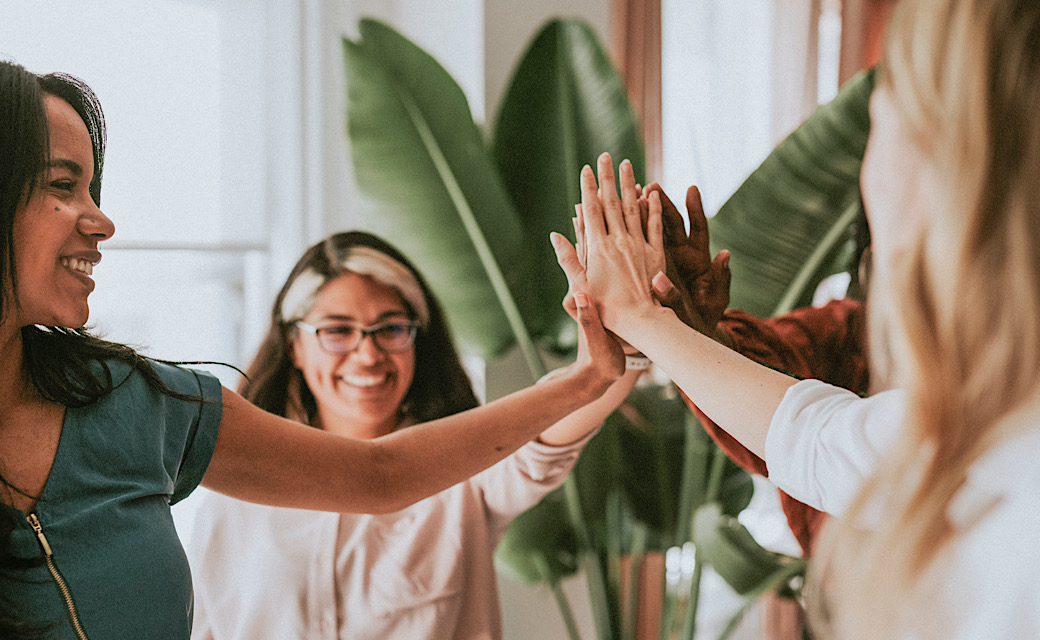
{"type": "Point", "coordinates": [313, 366]}
{"type": "Point", "coordinates": [405, 364]}
{"type": "Point", "coordinates": [887, 185]}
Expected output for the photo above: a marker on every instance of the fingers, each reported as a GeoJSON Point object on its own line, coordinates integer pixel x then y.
{"type": "Point", "coordinates": [602, 348]}
{"type": "Point", "coordinates": [654, 224]}
{"type": "Point", "coordinates": [600, 200]}
{"type": "Point", "coordinates": [721, 273]}
{"type": "Point", "coordinates": [588, 315]}
{"type": "Point", "coordinates": [664, 290]}
{"type": "Point", "coordinates": [720, 265]}
{"type": "Point", "coordinates": [592, 209]}
{"type": "Point", "coordinates": [629, 197]}
{"type": "Point", "coordinates": [567, 258]}
{"type": "Point", "coordinates": [579, 230]}
{"type": "Point", "coordinates": [698, 221]}
{"type": "Point", "coordinates": [612, 213]}
{"type": "Point", "coordinates": [672, 220]}
{"type": "Point", "coordinates": [579, 234]}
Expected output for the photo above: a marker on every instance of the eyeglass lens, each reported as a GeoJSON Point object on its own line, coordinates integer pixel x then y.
{"type": "Point", "coordinates": [391, 337]}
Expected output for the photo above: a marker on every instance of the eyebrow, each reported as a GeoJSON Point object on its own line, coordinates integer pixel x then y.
{"type": "Point", "coordinates": [386, 315]}
{"type": "Point", "coordinates": [70, 165]}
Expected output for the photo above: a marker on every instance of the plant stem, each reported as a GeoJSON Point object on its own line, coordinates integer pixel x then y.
{"type": "Point", "coordinates": [718, 466]}
{"type": "Point", "coordinates": [630, 613]}
{"type": "Point", "coordinates": [599, 596]}
{"type": "Point", "coordinates": [711, 493]}
{"type": "Point", "coordinates": [561, 598]}
{"type": "Point", "coordinates": [771, 583]}
{"type": "Point", "coordinates": [690, 618]}
{"type": "Point", "coordinates": [692, 488]}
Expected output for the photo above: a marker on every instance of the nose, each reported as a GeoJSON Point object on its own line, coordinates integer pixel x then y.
{"type": "Point", "coordinates": [96, 224]}
{"type": "Point", "coordinates": [367, 351]}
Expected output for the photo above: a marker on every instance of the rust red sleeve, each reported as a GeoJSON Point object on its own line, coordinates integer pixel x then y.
{"type": "Point", "coordinates": [825, 343]}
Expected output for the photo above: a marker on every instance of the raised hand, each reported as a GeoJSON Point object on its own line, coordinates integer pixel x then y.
{"type": "Point", "coordinates": [696, 286]}
{"type": "Point", "coordinates": [619, 260]}
{"type": "Point", "coordinates": [596, 346]}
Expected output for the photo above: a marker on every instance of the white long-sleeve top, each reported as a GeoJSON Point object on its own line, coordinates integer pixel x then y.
{"type": "Point", "coordinates": [824, 442]}
{"type": "Point", "coordinates": [425, 572]}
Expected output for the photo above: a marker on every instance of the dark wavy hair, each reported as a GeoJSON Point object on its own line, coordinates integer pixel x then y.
{"type": "Point", "coordinates": [440, 386]}
{"type": "Point", "coordinates": [66, 365]}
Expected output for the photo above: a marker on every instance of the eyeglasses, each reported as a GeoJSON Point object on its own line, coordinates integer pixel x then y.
{"type": "Point", "coordinates": [389, 337]}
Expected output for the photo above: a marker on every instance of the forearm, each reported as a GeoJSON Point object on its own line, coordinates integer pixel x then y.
{"type": "Point", "coordinates": [730, 389]}
{"type": "Point", "coordinates": [489, 434]}
{"type": "Point", "coordinates": [263, 458]}
{"type": "Point", "coordinates": [579, 423]}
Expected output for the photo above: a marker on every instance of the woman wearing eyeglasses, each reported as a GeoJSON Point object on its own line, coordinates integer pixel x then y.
{"type": "Point", "coordinates": [358, 346]}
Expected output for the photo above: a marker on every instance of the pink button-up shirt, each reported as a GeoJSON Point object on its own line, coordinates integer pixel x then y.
{"type": "Point", "coordinates": [426, 571]}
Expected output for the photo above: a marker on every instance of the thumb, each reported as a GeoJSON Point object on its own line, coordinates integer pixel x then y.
{"type": "Point", "coordinates": [664, 290]}
{"type": "Point", "coordinates": [567, 258]}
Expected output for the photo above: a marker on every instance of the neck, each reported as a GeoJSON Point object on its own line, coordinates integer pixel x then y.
{"type": "Point", "coordinates": [349, 426]}
{"type": "Point", "coordinates": [15, 385]}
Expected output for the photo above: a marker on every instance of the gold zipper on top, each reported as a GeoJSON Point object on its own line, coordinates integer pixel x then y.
{"type": "Point", "coordinates": [63, 587]}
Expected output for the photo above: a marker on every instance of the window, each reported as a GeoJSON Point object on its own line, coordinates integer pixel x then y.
{"type": "Point", "coordinates": [199, 158]}
{"type": "Point", "coordinates": [738, 76]}
{"type": "Point", "coordinates": [187, 162]}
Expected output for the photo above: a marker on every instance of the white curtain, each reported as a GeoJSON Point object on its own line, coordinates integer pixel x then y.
{"type": "Point", "coordinates": [737, 77]}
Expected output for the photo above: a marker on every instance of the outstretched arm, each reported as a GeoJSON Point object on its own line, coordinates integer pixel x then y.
{"type": "Point", "coordinates": [729, 388]}
{"type": "Point", "coordinates": [261, 457]}
{"type": "Point", "coordinates": [578, 424]}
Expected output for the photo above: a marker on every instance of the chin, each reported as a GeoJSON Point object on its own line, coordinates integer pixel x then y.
{"type": "Point", "coordinates": [69, 321]}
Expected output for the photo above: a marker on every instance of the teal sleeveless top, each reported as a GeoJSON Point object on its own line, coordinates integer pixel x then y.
{"type": "Point", "coordinates": [116, 569]}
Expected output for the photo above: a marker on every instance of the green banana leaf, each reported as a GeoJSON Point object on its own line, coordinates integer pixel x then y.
{"type": "Point", "coordinates": [793, 221]}
{"type": "Point", "coordinates": [736, 556]}
{"type": "Point", "coordinates": [540, 545]}
{"type": "Point", "coordinates": [565, 105]}
{"type": "Point", "coordinates": [434, 191]}
{"type": "Point", "coordinates": [652, 433]}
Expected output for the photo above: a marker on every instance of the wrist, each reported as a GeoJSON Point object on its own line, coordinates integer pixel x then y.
{"type": "Point", "coordinates": [590, 380]}
{"type": "Point", "coordinates": [636, 362]}
{"type": "Point", "coordinates": [723, 337]}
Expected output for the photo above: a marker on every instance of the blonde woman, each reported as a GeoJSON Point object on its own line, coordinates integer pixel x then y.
{"type": "Point", "coordinates": [935, 478]}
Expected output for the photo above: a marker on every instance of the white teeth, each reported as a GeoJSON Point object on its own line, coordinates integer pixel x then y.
{"type": "Point", "coordinates": [364, 381]}
{"type": "Point", "coordinates": [78, 264]}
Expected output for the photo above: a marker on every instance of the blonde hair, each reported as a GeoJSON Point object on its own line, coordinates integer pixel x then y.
{"type": "Point", "coordinates": [956, 320]}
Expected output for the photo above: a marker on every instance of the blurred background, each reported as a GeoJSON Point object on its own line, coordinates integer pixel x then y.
{"type": "Point", "coordinates": [227, 152]}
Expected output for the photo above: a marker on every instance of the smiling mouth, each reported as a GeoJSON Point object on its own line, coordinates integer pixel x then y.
{"type": "Point", "coordinates": [85, 267]}
{"type": "Point", "coordinates": [365, 381]}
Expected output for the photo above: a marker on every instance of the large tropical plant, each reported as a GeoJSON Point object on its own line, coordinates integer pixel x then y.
{"type": "Point", "coordinates": [475, 214]}
{"type": "Point", "coordinates": [474, 210]}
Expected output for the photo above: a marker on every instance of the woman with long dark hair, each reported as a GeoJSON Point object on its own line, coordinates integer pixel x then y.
{"type": "Point", "coordinates": [97, 441]}
{"type": "Point", "coordinates": [359, 346]}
